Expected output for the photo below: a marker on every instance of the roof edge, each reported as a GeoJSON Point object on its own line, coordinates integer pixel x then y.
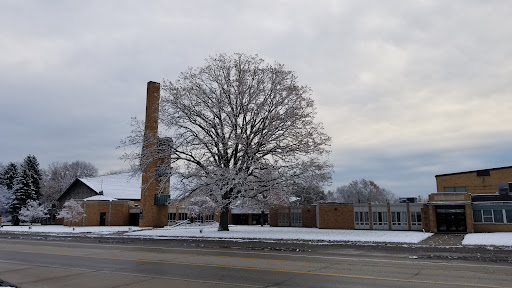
{"type": "Point", "coordinates": [474, 171]}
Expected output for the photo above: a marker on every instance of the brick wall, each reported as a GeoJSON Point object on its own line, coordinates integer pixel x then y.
{"type": "Point", "coordinates": [273, 217]}
{"type": "Point", "coordinates": [336, 216]}
{"type": "Point", "coordinates": [308, 216]}
{"type": "Point", "coordinates": [475, 184]}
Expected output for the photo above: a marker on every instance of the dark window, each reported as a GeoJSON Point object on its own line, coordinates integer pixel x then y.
{"type": "Point", "coordinates": [455, 189]}
{"type": "Point", "coordinates": [486, 172]}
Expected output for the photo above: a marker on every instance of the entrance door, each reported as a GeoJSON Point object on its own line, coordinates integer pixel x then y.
{"type": "Point", "coordinates": [451, 219]}
{"type": "Point", "coordinates": [103, 217]}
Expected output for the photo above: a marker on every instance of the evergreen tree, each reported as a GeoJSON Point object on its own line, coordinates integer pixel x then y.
{"type": "Point", "coordinates": [23, 192]}
{"type": "Point", "coordinates": [32, 165]}
{"type": "Point", "coordinates": [9, 175]}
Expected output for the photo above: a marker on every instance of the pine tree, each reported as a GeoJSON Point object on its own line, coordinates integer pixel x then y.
{"type": "Point", "coordinates": [30, 162]}
{"type": "Point", "coordinates": [23, 192]}
{"type": "Point", "coordinates": [9, 175]}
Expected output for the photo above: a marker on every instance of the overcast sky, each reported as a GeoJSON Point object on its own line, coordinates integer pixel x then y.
{"type": "Point", "coordinates": [406, 89]}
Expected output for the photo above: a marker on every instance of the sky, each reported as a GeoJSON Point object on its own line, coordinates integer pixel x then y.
{"type": "Point", "coordinates": [406, 89]}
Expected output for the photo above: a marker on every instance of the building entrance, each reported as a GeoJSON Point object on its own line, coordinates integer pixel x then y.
{"type": "Point", "coordinates": [451, 218]}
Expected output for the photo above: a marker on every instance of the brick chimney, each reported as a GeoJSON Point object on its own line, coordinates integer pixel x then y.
{"type": "Point", "coordinates": [152, 215]}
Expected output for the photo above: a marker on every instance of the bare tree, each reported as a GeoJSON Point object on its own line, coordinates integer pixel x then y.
{"type": "Point", "coordinates": [362, 191]}
{"type": "Point", "coordinates": [241, 129]}
{"type": "Point", "coordinates": [60, 175]}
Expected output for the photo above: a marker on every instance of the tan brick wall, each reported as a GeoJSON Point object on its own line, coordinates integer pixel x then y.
{"type": "Point", "coordinates": [309, 216]}
{"type": "Point", "coordinates": [492, 227]}
{"type": "Point", "coordinates": [117, 212]}
{"type": "Point", "coordinates": [469, 218]}
{"type": "Point", "coordinates": [475, 184]}
{"type": "Point", "coordinates": [336, 216]}
{"type": "Point", "coordinates": [152, 215]}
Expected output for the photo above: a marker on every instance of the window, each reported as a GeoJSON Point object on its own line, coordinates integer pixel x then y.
{"type": "Point", "coordinates": [477, 216]}
{"type": "Point", "coordinates": [455, 189]}
{"type": "Point", "coordinates": [172, 216]}
{"type": "Point", "coordinates": [399, 218]}
{"type": "Point", "coordinates": [492, 216]}
{"type": "Point", "coordinates": [182, 216]}
{"type": "Point", "coordinates": [416, 218]}
{"type": "Point", "coordinates": [487, 216]}
{"type": "Point", "coordinates": [380, 218]}
{"type": "Point", "coordinates": [283, 218]}
{"type": "Point", "coordinates": [209, 218]}
{"type": "Point", "coordinates": [486, 172]}
{"type": "Point", "coordinates": [362, 218]}
{"type": "Point", "coordinates": [296, 217]}
{"type": "Point", "coordinates": [498, 216]}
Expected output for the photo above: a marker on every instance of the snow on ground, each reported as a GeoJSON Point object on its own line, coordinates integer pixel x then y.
{"type": "Point", "coordinates": [285, 233]}
{"type": "Point", "coordinates": [494, 239]}
{"type": "Point", "coordinates": [236, 232]}
{"type": "Point", "coordinates": [59, 229]}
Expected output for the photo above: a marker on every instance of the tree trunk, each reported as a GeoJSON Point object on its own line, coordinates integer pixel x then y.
{"type": "Point", "coordinates": [224, 219]}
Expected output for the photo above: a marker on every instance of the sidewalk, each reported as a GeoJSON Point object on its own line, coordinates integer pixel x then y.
{"type": "Point", "coordinates": [445, 240]}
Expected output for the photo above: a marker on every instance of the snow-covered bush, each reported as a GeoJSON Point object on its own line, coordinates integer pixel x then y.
{"type": "Point", "coordinates": [32, 211]}
{"type": "Point", "coordinates": [200, 206]}
{"type": "Point", "coordinates": [72, 211]}
{"type": "Point", "coordinates": [6, 198]}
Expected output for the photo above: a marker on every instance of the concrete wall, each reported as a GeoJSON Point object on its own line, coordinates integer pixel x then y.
{"type": "Point", "coordinates": [475, 184]}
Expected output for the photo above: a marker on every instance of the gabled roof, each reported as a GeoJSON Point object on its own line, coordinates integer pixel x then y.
{"type": "Point", "coordinates": [122, 186]}
{"type": "Point", "coordinates": [118, 186]}
{"type": "Point", "coordinates": [100, 198]}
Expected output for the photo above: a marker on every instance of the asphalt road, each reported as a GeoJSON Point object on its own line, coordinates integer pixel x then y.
{"type": "Point", "coordinates": [111, 262]}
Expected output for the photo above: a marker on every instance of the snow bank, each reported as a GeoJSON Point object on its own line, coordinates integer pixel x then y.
{"type": "Point", "coordinates": [59, 229]}
{"type": "Point", "coordinates": [236, 233]}
{"type": "Point", "coordinates": [495, 239]}
{"type": "Point", "coordinates": [285, 233]}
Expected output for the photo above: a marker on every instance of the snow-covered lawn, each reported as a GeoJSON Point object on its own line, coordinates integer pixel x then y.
{"type": "Point", "coordinates": [494, 239]}
{"type": "Point", "coordinates": [236, 232]}
{"type": "Point", "coordinates": [285, 233]}
{"type": "Point", "coordinates": [59, 229]}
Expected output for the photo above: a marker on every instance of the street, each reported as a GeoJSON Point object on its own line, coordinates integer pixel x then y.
{"type": "Point", "coordinates": [76, 262]}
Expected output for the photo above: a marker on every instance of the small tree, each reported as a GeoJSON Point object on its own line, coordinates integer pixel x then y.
{"type": "Point", "coordinates": [200, 206]}
{"type": "Point", "coordinates": [32, 211]}
{"type": "Point", "coordinates": [72, 211]}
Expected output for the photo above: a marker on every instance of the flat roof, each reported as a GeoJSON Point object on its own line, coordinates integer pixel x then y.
{"type": "Point", "coordinates": [474, 171]}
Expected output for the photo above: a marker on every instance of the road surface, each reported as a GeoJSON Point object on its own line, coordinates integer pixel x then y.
{"type": "Point", "coordinates": [97, 263]}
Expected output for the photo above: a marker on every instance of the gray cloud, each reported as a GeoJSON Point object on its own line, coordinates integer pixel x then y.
{"type": "Point", "coordinates": [407, 89]}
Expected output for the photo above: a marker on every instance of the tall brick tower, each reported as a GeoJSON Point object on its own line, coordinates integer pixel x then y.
{"type": "Point", "coordinates": [153, 204]}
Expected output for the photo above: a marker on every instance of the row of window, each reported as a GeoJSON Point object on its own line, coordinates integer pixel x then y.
{"type": "Point", "coordinates": [492, 216]}
{"type": "Point", "coordinates": [184, 216]}
{"type": "Point", "coordinates": [381, 218]}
